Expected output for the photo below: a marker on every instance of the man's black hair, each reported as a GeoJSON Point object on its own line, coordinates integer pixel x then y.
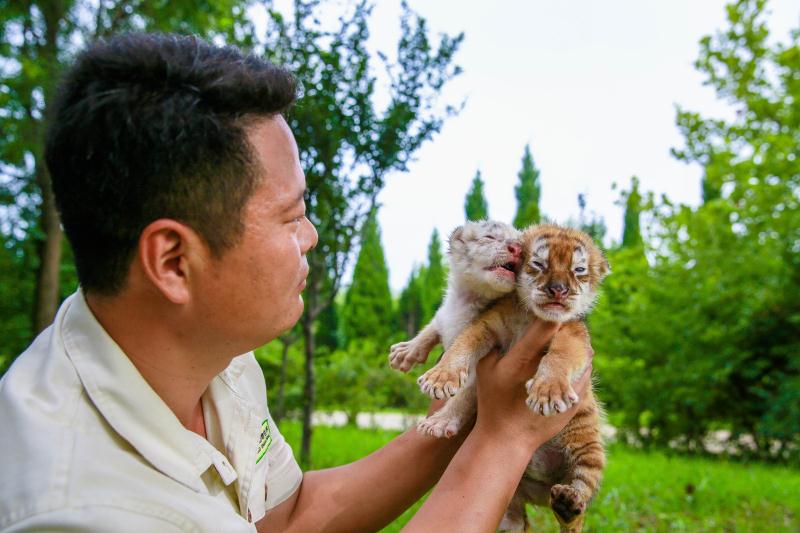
{"type": "Point", "coordinates": [149, 126]}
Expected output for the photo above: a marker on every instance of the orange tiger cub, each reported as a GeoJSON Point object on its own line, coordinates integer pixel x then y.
{"type": "Point", "coordinates": [561, 271]}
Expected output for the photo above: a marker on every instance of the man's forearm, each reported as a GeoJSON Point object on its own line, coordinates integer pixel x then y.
{"type": "Point", "coordinates": [474, 492]}
{"type": "Point", "coordinates": [369, 493]}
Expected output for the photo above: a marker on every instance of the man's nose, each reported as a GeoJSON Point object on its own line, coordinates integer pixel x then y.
{"type": "Point", "coordinates": [313, 236]}
{"type": "Point", "coordinates": [515, 249]}
{"type": "Point", "coordinates": [557, 290]}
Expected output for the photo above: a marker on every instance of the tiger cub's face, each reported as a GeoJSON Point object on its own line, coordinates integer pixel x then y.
{"type": "Point", "coordinates": [485, 256]}
{"type": "Point", "coordinates": [562, 268]}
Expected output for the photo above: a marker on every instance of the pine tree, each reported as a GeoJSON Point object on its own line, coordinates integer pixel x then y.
{"type": "Point", "coordinates": [528, 191]}
{"type": "Point", "coordinates": [475, 205]}
{"type": "Point", "coordinates": [367, 309]}
{"type": "Point", "coordinates": [434, 280]}
{"type": "Point", "coordinates": [409, 306]}
{"type": "Point", "coordinates": [631, 233]}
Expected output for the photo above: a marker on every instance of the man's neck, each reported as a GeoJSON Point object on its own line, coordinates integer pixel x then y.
{"type": "Point", "coordinates": [164, 353]}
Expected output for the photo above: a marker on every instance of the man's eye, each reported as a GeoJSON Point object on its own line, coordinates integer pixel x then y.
{"type": "Point", "coordinates": [580, 270]}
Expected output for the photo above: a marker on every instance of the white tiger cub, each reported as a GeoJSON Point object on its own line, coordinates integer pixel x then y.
{"type": "Point", "coordinates": [483, 258]}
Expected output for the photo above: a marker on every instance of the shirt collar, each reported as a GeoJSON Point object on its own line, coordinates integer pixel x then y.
{"type": "Point", "coordinates": [127, 401]}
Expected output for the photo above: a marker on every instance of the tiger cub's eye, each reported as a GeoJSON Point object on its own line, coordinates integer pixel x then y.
{"type": "Point", "coordinates": [580, 270]}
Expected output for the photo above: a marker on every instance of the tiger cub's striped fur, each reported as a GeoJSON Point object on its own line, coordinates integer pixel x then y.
{"type": "Point", "coordinates": [561, 270]}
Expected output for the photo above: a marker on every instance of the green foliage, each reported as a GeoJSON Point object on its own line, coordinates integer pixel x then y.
{"type": "Point", "coordinates": [16, 291]}
{"type": "Point", "coordinates": [347, 145]}
{"type": "Point", "coordinates": [37, 38]}
{"type": "Point", "coordinates": [475, 205]}
{"type": "Point", "coordinates": [328, 332]}
{"type": "Point", "coordinates": [368, 312]}
{"type": "Point", "coordinates": [434, 279]}
{"type": "Point", "coordinates": [705, 337]}
{"type": "Point", "coordinates": [358, 379]}
{"type": "Point", "coordinates": [593, 224]}
{"type": "Point", "coordinates": [409, 305]}
{"type": "Point", "coordinates": [290, 403]}
{"type": "Point", "coordinates": [631, 230]}
{"type": "Point", "coordinates": [527, 191]}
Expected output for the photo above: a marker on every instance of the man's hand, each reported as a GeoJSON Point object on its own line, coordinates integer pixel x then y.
{"type": "Point", "coordinates": [501, 390]}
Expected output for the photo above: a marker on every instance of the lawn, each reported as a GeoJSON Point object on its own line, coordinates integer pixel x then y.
{"type": "Point", "coordinates": [641, 491]}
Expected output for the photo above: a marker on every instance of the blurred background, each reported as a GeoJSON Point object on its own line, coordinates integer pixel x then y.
{"type": "Point", "coordinates": [669, 131]}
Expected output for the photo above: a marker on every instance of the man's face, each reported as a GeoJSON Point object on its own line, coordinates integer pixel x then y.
{"type": "Point", "coordinates": [252, 293]}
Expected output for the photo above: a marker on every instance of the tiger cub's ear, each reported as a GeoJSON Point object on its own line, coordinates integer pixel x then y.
{"type": "Point", "coordinates": [456, 237]}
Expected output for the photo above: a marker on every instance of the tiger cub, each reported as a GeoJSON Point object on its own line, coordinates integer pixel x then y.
{"type": "Point", "coordinates": [561, 271]}
{"type": "Point", "coordinates": [483, 258]}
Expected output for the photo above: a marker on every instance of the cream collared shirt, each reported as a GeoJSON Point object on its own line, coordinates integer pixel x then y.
{"type": "Point", "coordinates": [87, 445]}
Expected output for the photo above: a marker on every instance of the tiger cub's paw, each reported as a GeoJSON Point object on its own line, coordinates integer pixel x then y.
{"type": "Point", "coordinates": [439, 426]}
{"type": "Point", "coordinates": [443, 380]}
{"type": "Point", "coordinates": [404, 355]}
{"type": "Point", "coordinates": [566, 502]}
{"type": "Point", "coordinates": [551, 395]}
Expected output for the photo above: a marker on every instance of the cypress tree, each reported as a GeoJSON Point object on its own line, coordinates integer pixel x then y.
{"type": "Point", "coordinates": [475, 205]}
{"type": "Point", "coordinates": [434, 280]}
{"type": "Point", "coordinates": [528, 191]}
{"type": "Point", "coordinates": [409, 306]}
{"type": "Point", "coordinates": [631, 232]}
{"type": "Point", "coordinates": [367, 309]}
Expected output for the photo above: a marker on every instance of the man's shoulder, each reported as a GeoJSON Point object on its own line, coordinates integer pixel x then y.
{"type": "Point", "coordinates": [60, 460]}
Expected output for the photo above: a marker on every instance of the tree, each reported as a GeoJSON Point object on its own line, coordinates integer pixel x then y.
{"type": "Point", "coordinates": [528, 191]}
{"type": "Point", "coordinates": [475, 205]}
{"type": "Point", "coordinates": [368, 311]}
{"type": "Point", "coordinates": [348, 146]}
{"type": "Point", "coordinates": [434, 280]}
{"type": "Point", "coordinates": [704, 337]}
{"type": "Point", "coordinates": [38, 38]}
{"type": "Point", "coordinates": [409, 305]}
{"type": "Point", "coordinates": [593, 224]}
{"type": "Point", "coordinates": [631, 231]}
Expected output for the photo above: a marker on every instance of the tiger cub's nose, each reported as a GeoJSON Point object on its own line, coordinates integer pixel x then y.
{"type": "Point", "coordinates": [557, 290]}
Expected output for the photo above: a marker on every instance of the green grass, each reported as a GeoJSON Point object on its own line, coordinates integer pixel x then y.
{"type": "Point", "coordinates": [641, 491]}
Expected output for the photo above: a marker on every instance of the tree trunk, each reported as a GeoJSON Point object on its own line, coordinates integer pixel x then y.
{"type": "Point", "coordinates": [49, 251]}
{"type": "Point", "coordinates": [309, 390]}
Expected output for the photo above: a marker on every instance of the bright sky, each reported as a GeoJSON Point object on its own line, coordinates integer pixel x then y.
{"type": "Point", "coordinates": [592, 86]}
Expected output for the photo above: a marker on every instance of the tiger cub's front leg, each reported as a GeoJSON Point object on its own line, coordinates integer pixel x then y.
{"type": "Point", "coordinates": [404, 355]}
{"type": "Point", "coordinates": [456, 368]}
{"type": "Point", "coordinates": [455, 414]}
{"type": "Point", "coordinates": [550, 390]}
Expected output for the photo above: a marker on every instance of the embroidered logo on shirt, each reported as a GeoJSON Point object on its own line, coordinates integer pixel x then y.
{"type": "Point", "coordinates": [264, 441]}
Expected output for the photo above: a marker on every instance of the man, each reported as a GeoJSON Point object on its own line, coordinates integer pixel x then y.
{"type": "Point", "coordinates": [180, 189]}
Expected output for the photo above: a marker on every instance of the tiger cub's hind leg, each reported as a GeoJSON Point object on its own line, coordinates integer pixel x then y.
{"type": "Point", "coordinates": [586, 459]}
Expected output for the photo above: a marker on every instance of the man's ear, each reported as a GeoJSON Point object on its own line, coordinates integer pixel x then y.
{"type": "Point", "coordinates": [165, 249]}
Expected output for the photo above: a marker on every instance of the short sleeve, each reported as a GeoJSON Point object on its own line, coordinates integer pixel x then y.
{"type": "Point", "coordinates": [284, 474]}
